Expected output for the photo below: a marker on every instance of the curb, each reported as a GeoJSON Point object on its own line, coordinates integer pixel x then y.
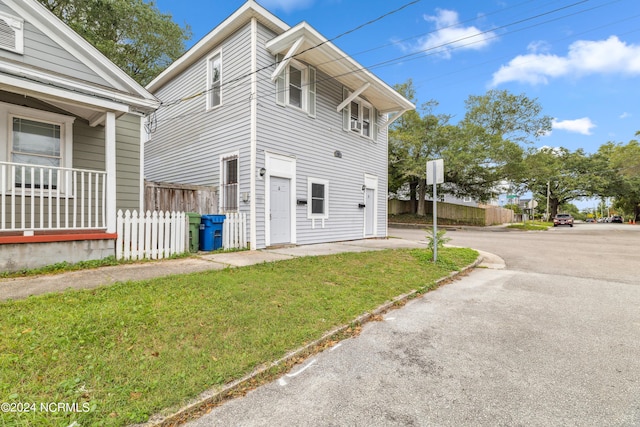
{"type": "Point", "coordinates": [213, 397]}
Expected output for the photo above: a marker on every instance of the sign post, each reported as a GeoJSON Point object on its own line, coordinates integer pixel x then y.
{"type": "Point", "coordinates": [435, 175]}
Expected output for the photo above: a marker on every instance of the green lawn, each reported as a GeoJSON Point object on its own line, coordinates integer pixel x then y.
{"type": "Point", "coordinates": [127, 351]}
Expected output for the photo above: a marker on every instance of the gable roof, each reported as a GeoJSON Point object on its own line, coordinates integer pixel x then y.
{"type": "Point", "coordinates": [121, 92]}
{"type": "Point", "coordinates": [312, 48]}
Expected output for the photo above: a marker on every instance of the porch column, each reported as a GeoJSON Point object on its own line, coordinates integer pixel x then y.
{"type": "Point", "coordinates": [110, 166]}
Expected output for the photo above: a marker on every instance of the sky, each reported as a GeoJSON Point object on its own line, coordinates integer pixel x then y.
{"type": "Point", "coordinates": [579, 58]}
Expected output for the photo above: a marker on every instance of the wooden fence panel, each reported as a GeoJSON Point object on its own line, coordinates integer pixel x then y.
{"type": "Point", "coordinates": [170, 197]}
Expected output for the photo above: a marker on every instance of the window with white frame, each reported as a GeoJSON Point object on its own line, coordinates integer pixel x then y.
{"type": "Point", "coordinates": [318, 194]}
{"type": "Point", "coordinates": [214, 79]}
{"type": "Point", "coordinates": [296, 86]}
{"type": "Point", "coordinates": [229, 194]}
{"type": "Point", "coordinates": [38, 140]}
{"type": "Point", "coordinates": [36, 143]}
{"type": "Point", "coordinates": [360, 117]}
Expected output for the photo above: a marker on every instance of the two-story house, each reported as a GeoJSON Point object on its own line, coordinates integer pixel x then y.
{"type": "Point", "coordinates": [290, 129]}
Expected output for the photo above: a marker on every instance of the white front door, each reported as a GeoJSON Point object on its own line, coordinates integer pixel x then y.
{"type": "Point", "coordinates": [280, 210]}
{"type": "Point", "coordinates": [369, 212]}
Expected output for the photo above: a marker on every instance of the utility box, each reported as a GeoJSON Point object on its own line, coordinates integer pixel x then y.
{"type": "Point", "coordinates": [194, 231]}
{"type": "Point", "coordinates": [211, 232]}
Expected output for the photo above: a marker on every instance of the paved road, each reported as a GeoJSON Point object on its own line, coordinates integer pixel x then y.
{"type": "Point", "coordinates": [553, 339]}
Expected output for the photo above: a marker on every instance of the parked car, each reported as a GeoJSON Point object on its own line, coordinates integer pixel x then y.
{"type": "Point", "coordinates": [563, 219]}
{"type": "Point", "coordinates": [617, 218]}
{"type": "Point", "coordinates": [590, 220]}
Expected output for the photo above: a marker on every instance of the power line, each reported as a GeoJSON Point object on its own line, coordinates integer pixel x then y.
{"type": "Point", "coordinates": [359, 27]}
{"type": "Point", "coordinates": [414, 54]}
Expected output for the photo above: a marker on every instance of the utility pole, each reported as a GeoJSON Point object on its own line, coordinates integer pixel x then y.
{"type": "Point", "coordinates": [546, 215]}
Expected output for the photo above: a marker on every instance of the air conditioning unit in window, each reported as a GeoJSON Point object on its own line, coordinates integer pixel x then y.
{"type": "Point", "coordinates": [356, 125]}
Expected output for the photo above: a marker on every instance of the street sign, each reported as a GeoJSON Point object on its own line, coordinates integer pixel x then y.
{"type": "Point", "coordinates": [439, 167]}
{"type": "Point", "coordinates": [532, 204]}
{"type": "Point", "coordinates": [512, 196]}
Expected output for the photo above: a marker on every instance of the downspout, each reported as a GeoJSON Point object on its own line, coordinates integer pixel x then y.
{"type": "Point", "coordinates": [254, 134]}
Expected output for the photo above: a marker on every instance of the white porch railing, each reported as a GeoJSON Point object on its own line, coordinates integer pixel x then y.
{"type": "Point", "coordinates": [51, 198]}
{"type": "Point", "coordinates": [234, 234]}
{"type": "Point", "coordinates": [155, 235]}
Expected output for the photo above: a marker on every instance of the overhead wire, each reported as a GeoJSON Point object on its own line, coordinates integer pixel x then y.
{"type": "Point", "coordinates": [414, 55]}
{"type": "Point", "coordinates": [266, 67]}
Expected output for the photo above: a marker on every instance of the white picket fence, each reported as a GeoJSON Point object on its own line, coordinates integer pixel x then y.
{"type": "Point", "coordinates": [234, 235]}
{"type": "Point", "coordinates": [154, 235]}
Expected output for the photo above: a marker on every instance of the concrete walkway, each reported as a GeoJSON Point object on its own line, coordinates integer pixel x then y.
{"type": "Point", "coordinates": [24, 287]}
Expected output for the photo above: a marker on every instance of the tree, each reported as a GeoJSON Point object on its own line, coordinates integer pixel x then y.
{"type": "Point", "coordinates": [564, 174]}
{"type": "Point", "coordinates": [479, 153]}
{"type": "Point", "coordinates": [414, 139]}
{"type": "Point", "coordinates": [133, 34]}
{"type": "Point", "coordinates": [620, 175]}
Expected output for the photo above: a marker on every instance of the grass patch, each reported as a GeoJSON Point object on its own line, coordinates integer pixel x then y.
{"type": "Point", "coordinates": [130, 350]}
{"type": "Point", "coordinates": [530, 226]}
{"type": "Point", "coordinates": [63, 267]}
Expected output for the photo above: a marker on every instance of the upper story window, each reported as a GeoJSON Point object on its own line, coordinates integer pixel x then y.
{"type": "Point", "coordinates": [296, 86]}
{"type": "Point", "coordinates": [11, 33]}
{"type": "Point", "coordinates": [360, 117]}
{"type": "Point", "coordinates": [214, 78]}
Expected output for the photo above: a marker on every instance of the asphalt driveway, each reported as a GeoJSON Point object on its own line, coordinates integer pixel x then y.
{"type": "Point", "coordinates": [551, 340]}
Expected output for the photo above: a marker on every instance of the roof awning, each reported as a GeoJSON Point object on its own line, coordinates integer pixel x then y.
{"type": "Point", "coordinates": [304, 43]}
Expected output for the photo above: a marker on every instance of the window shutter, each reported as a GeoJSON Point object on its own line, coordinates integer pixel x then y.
{"type": "Point", "coordinates": [312, 92]}
{"type": "Point", "coordinates": [375, 124]}
{"type": "Point", "coordinates": [346, 114]}
{"type": "Point", "coordinates": [281, 89]}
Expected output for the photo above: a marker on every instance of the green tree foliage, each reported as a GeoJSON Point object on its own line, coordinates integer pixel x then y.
{"type": "Point", "coordinates": [619, 175]}
{"type": "Point", "coordinates": [479, 153]}
{"type": "Point", "coordinates": [133, 34]}
{"type": "Point", "coordinates": [567, 176]}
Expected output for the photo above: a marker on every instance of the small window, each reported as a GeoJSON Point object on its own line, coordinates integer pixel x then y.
{"type": "Point", "coordinates": [296, 86]}
{"type": "Point", "coordinates": [36, 143]}
{"type": "Point", "coordinates": [214, 80]}
{"type": "Point", "coordinates": [229, 184]}
{"type": "Point", "coordinates": [360, 117]}
{"type": "Point", "coordinates": [318, 193]}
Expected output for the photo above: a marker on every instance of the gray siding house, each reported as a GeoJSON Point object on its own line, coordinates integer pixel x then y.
{"type": "Point", "coordinates": [70, 141]}
{"type": "Point", "coordinates": [287, 127]}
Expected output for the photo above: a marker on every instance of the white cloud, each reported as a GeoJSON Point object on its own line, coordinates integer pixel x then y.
{"type": "Point", "coordinates": [582, 126]}
{"type": "Point", "coordinates": [610, 56]}
{"type": "Point", "coordinates": [625, 115]}
{"type": "Point", "coordinates": [286, 5]}
{"type": "Point", "coordinates": [451, 35]}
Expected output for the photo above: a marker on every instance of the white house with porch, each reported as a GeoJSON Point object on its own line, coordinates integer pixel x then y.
{"type": "Point", "coordinates": [71, 125]}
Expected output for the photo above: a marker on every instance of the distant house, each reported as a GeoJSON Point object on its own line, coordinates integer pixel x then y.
{"type": "Point", "coordinates": [70, 150]}
{"type": "Point", "coordinates": [287, 127]}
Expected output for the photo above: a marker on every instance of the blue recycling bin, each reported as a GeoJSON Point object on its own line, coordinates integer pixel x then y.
{"type": "Point", "coordinates": [211, 232]}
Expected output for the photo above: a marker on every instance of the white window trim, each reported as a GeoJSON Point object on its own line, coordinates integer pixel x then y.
{"type": "Point", "coordinates": [373, 118]}
{"type": "Point", "coordinates": [310, 214]}
{"type": "Point", "coordinates": [308, 87]}
{"type": "Point", "coordinates": [209, 86]}
{"type": "Point", "coordinates": [9, 111]}
{"type": "Point", "coordinates": [224, 158]}
{"type": "Point", "coordinates": [17, 25]}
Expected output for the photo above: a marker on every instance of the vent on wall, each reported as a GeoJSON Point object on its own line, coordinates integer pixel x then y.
{"type": "Point", "coordinates": [11, 33]}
